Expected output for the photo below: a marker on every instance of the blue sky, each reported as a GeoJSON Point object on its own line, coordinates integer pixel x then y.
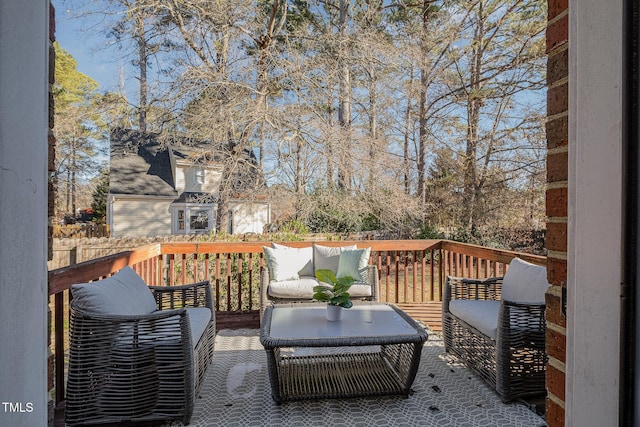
{"type": "Point", "coordinates": [87, 47]}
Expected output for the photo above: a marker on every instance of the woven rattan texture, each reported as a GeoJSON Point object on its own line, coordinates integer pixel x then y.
{"type": "Point", "coordinates": [345, 374]}
{"type": "Point", "coordinates": [138, 368]}
{"type": "Point", "coordinates": [514, 364]}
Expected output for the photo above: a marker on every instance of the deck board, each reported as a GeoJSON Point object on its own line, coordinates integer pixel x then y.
{"type": "Point", "coordinates": [429, 313]}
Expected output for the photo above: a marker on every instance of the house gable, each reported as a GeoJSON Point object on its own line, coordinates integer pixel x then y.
{"type": "Point", "coordinates": [140, 165]}
{"type": "Point", "coordinates": [197, 176]}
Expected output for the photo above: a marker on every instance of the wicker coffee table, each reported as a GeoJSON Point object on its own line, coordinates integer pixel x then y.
{"type": "Point", "coordinates": [374, 350]}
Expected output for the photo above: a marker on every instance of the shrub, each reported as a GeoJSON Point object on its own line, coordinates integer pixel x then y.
{"type": "Point", "coordinates": [427, 231]}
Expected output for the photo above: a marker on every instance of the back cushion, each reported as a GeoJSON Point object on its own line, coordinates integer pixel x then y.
{"type": "Point", "coordinates": [524, 282]}
{"type": "Point", "coordinates": [307, 253]}
{"type": "Point", "coordinates": [124, 293]}
{"type": "Point", "coordinates": [354, 263]}
{"type": "Point", "coordinates": [328, 257]}
{"type": "Point", "coordinates": [287, 263]}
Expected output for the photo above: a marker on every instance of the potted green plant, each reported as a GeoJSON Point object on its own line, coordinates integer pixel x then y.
{"type": "Point", "coordinates": [334, 291]}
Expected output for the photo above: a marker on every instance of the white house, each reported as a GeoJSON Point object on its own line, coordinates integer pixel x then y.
{"type": "Point", "coordinates": [173, 188]}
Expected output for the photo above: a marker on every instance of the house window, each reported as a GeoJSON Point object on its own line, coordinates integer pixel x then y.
{"type": "Point", "coordinates": [199, 220]}
{"type": "Point", "coordinates": [199, 176]}
{"type": "Point", "coordinates": [180, 219]}
{"type": "Point", "coordinates": [193, 219]}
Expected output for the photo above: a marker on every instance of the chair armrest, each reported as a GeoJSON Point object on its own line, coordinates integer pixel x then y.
{"type": "Point", "coordinates": [488, 280]}
{"type": "Point", "coordinates": [522, 325]}
{"type": "Point", "coordinates": [477, 289]}
{"type": "Point", "coordinates": [466, 288]}
{"type": "Point", "coordinates": [129, 330]}
{"type": "Point", "coordinates": [374, 281]}
{"type": "Point", "coordinates": [264, 288]}
{"type": "Point", "coordinates": [193, 295]}
{"type": "Point", "coordinates": [126, 318]}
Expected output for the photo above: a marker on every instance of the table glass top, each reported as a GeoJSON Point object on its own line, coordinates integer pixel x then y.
{"type": "Point", "coordinates": [359, 321]}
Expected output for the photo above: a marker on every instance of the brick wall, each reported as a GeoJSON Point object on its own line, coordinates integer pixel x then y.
{"type": "Point", "coordinates": [557, 185]}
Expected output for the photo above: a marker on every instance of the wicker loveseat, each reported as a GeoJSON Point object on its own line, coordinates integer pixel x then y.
{"type": "Point", "coordinates": [289, 276]}
{"type": "Point", "coordinates": [137, 353]}
{"type": "Point", "coordinates": [496, 327]}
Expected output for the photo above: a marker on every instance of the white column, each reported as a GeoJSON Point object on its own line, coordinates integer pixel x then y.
{"type": "Point", "coordinates": [595, 212]}
{"type": "Point", "coordinates": [23, 211]}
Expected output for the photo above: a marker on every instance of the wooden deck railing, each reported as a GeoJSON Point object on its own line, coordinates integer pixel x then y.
{"type": "Point", "coordinates": [410, 271]}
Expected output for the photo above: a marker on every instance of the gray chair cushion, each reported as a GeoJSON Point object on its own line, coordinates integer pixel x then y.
{"type": "Point", "coordinates": [525, 282]}
{"type": "Point", "coordinates": [124, 293]}
{"type": "Point", "coordinates": [199, 318]}
{"type": "Point", "coordinates": [481, 314]}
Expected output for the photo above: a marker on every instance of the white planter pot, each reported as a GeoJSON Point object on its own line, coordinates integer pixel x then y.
{"type": "Point", "coordinates": [334, 313]}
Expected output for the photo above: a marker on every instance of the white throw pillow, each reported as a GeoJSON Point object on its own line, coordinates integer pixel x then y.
{"type": "Point", "coordinates": [328, 257]}
{"type": "Point", "coordinates": [524, 282]}
{"type": "Point", "coordinates": [286, 264]}
{"type": "Point", "coordinates": [307, 270]}
{"type": "Point", "coordinates": [354, 262]}
{"type": "Point", "coordinates": [124, 293]}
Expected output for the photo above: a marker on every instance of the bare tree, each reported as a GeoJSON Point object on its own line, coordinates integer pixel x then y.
{"type": "Point", "coordinates": [502, 60]}
{"type": "Point", "coordinates": [385, 101]}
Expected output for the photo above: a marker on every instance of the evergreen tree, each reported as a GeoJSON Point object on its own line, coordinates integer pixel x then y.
{"type": "Point", "coordinates": [100, 193]}
{"type": "Point", "coordinates": [78, 128]}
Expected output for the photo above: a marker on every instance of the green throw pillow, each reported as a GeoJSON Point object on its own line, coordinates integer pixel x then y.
{"type": "Point", "coordinates": [327, 257]}
{"type": "Point", "coordinates": [354, 262]}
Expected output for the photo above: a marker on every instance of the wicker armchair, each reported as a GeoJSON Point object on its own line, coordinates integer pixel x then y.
{"type": "Point", "coordinates": [139, 368]}
{"type": "Point", "coordinates": [505, 345]}
{"type": "Point", "coordinates": [266, 299]}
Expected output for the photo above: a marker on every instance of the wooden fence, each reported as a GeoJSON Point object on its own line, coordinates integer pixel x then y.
{"type": "Point", "coordinates": [80, 230]}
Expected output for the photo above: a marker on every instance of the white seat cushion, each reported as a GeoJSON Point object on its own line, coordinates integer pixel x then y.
{"type": "Point", "coordinates": [359, 290]}
{"type": "Point", "coordinates": [302, 288]}
{"type": "Point", "coordinates": [481, 314]}
{"type": "Point", "coordinates": [525, 282]}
